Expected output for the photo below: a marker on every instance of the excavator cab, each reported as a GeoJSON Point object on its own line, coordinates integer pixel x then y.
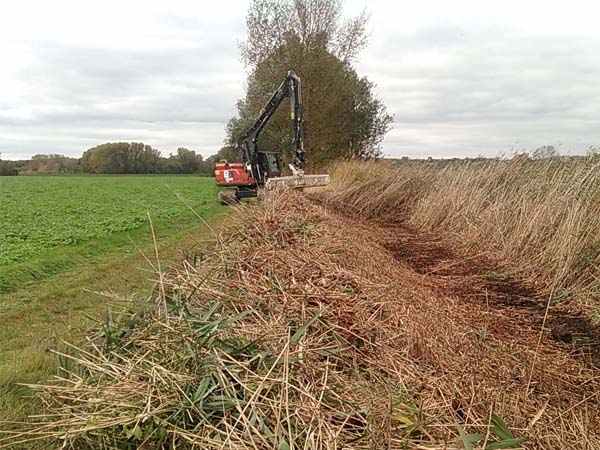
{"type": "Point", "coordinates": [270, 164]}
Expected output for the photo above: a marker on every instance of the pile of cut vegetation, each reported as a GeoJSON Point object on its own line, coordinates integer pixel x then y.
{"type": "Point", "coordinates": [299, 329]}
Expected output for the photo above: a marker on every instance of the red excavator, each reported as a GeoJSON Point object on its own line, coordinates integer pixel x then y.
{"type": "Point", "coordinates": [261, 169]}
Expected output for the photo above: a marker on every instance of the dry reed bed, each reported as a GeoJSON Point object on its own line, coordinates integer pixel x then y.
{"type": "Point", "coordinates": [300, 330]}
{"type": "Point", "coordinates": [540, 216]}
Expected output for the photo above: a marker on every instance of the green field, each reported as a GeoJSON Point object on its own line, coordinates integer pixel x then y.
{"type": "Point", "coordinates": [70, 244]}
{"type": "Point", "coordinates": [41, 213]}
{"type": "Point", "coordinates": [45, 218]}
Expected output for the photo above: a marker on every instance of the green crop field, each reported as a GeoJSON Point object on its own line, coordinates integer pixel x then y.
{"type": "Point", "coordinates": [41, 213]}
{"type": "Point", "coordinates": [45, 217]}
{"type": "Point", "coordinates": [65, 241]}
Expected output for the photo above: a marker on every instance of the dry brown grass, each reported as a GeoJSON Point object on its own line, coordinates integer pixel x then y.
{"type": "Point", "coordinates": [302, 330]}
{"type": "Point", "coordinates": [542, 217]}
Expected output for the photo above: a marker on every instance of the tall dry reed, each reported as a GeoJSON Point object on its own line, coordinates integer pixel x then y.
{"type": "Point", "coordinates": [540, 216]}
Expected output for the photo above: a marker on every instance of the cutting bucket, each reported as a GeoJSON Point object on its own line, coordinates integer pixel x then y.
{"type": "Point", "coordinates": [298, 181]}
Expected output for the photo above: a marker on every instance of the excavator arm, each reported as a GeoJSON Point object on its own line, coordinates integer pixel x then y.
{"type": "Point", "coordinates": [262, 169]}
{"type": "Point", "coordinates": [290, 87]}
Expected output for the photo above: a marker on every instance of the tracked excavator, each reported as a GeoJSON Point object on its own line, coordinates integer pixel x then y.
{"type": "Point", "coordinates": [262, 170]}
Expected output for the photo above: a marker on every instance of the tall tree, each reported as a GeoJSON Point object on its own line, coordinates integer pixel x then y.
{"type": "Point", "coordinates": [343, 117]}
{"type": "Point", "coordinates": [188, 160]}
{"type": "Point", "coordinates": [8, 168]}
{"type": "Point", "coordinates": [315, 23]}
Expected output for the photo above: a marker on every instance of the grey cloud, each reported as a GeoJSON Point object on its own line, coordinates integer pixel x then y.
{"type": "Point", "coordinates": [88, 74]}
{"type": "Point", "coordinates": [494, 91]}
{"type": "Point", "coordinates": [79, 97]}
{"type": "Point", "coordinates": [455, 91]}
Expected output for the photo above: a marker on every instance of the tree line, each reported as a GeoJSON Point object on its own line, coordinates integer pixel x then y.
{"type": "Point", "coordinates": [120, 158]}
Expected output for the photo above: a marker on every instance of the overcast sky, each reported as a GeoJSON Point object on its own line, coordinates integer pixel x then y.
{"type": "Point", "coordinates": [462, 78]}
